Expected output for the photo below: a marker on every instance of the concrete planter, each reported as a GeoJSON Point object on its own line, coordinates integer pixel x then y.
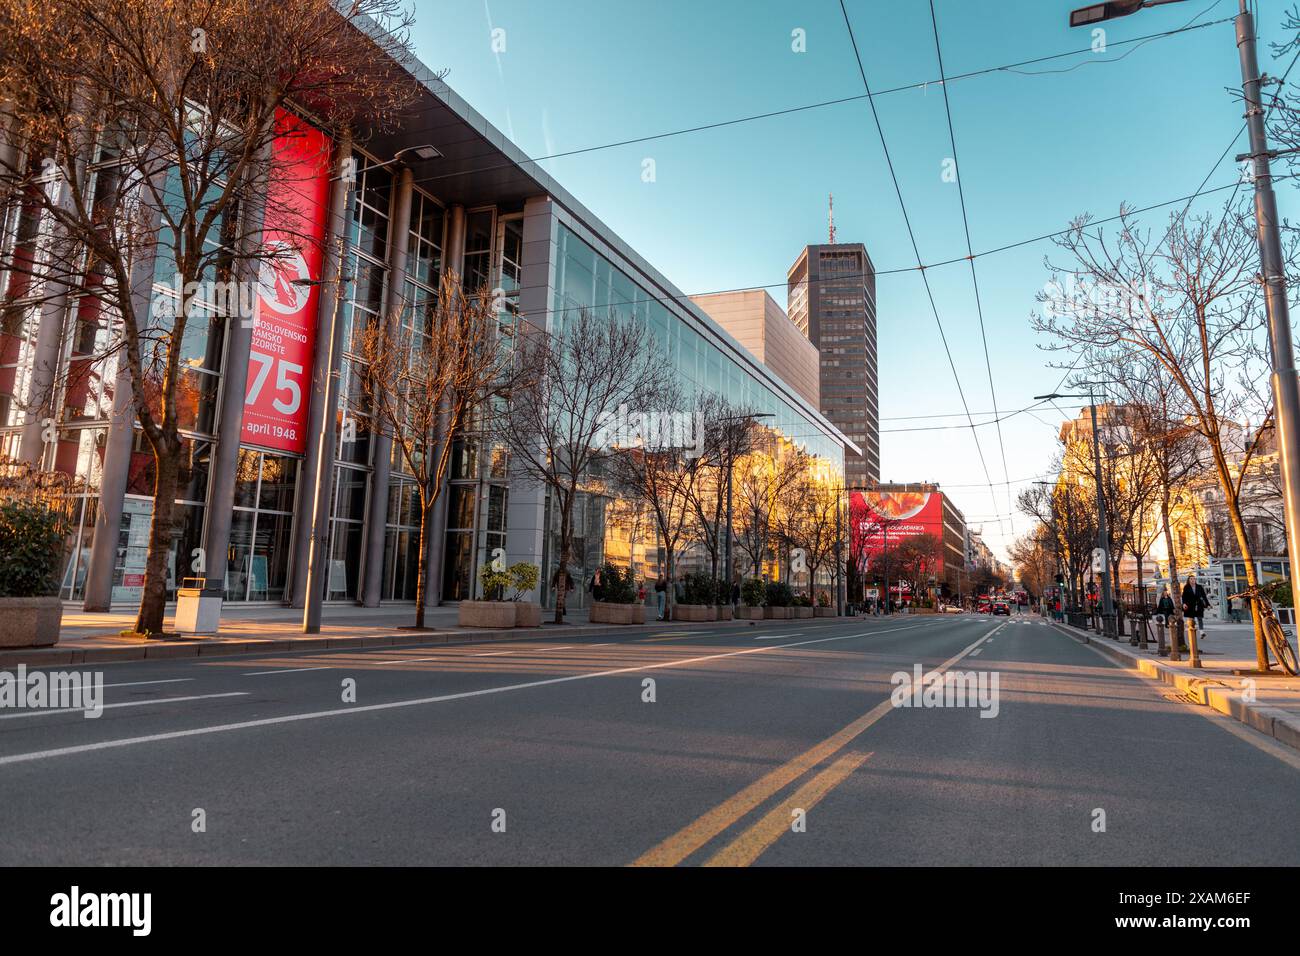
{"type": "Point", "coordinates": [724, 612]}
{"type": "Point", "coordinates": [823, 612]}
{"type": "Point", "coordinates": [777, 613]}
{"type": "Point", "coordinates": [747, 613]}
{"type": "Point", "coordinates": [30, 622]}
{"type": "Point", "coordinates": [528, 614]}
{"type": "Point", "coordinates": [694, 612]}
{"type": "Point", "coordinates": [494, 614]}
{"type": "Point", "coordinates": [802, 612]}
{"type": "Point", "coordinates": [603, 612]}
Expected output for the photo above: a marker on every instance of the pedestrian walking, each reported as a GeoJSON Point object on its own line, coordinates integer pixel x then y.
{"type": "Point", "coordinates": [1165, 608]}
{"type": "Point", "coordinates": [1195, 601]}
{"type": "Point", "coordinates": [661, 594]}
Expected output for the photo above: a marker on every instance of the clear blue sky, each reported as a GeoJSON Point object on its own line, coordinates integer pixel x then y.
{"type": "Point", "coordinates": [732, 207]}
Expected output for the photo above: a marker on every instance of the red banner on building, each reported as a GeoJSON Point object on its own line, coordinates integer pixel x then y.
{"type": "Point", "coordinates": [284, 335]}
{"type": "Point", "coordinates": [881, 520]}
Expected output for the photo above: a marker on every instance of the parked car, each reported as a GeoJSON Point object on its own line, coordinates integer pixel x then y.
{"type": "Point", "coordinates": [951, 609]}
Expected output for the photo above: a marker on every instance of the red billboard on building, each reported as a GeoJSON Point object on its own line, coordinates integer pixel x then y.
{"type": "Point", "coordinates": [284, 334]}
{"type": "Point", "coordinates": [880, 520]}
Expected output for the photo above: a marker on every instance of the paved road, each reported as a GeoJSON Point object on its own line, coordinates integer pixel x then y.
{"type": "Point", "coordinates": [554, 738]}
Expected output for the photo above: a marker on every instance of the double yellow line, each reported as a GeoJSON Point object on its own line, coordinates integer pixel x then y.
{"type": "Point", "coordinates": [753, 841]}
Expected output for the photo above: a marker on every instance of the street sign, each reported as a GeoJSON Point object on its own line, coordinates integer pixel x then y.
{"type": "Point", "coordinates": [1098, 560]}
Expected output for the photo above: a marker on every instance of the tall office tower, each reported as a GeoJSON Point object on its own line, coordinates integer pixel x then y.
{"type": "Point", "coordinates": [832, 300]}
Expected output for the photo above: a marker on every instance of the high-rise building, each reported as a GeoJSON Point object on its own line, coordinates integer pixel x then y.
{"type": "Point", "coordinates": [832, 300]}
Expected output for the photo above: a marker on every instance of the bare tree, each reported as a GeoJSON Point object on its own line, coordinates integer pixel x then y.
{"type": "Point", "coordinates": [561, 425]}
{"type": "Point", "coordinates": [729, 434]}
{"type": "Point", "coordinates": [1188, 298]}
{"type": "Point", "coordinates": [1069, 511]}
{"type": "Point", "coordinates": [145, 130]}
{"type": "Point", "coordinates": [661, 469]}
{"type": "Point", "coordinates": [1034, 560]}
{"type": "Point", "coordinates": [764, 477]}
{"type": "Point", "coordinates": [810, 523]}
{"type": "Point", "coordinates": [428, 382]}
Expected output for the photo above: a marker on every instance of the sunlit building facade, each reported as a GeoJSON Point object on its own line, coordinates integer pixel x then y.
{"type": "Point", "coordinates": [473, 204]}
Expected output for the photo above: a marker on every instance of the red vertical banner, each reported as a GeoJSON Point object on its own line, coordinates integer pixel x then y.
{"type": "Point", "coordinates": [284, 334]}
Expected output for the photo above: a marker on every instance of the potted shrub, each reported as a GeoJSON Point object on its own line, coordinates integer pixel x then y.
{"type": "Point", "coordinates": [823, 608]}
{"type": "Point", "coordinates": [699, 593]}
{"type": "Point", "coordinates": [34, 523]}
{"type": "Point", "coordinates": [723, 600]}
{"type": "Point", "coordinates": [779, 597]}
{"type": "Point", "coordinates": [802, 606]}
{"type": "Point", "coordinates": [493, 611]}
{"type": "Point", "coordinates": [618, 602]}
{"type": "Point", "coordinates": [523, 579]}
{"type": "Point", "coordinates": [753, 593]}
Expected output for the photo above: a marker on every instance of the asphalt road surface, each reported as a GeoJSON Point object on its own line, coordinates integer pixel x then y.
{"type": "Point", "coordinates": [769, 745]}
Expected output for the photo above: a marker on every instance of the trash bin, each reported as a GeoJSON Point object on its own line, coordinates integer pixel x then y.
{"type": "Point", "coordinates": [198, 607]}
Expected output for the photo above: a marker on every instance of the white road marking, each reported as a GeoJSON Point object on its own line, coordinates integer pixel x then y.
{"type": "Point", "coordinates": [141, 683]}
{"type": "Point", "coordinates": [291, 670]}
{"type": "Point", "coordinates": [394, 705]}
{"type": "Point", "coordinates": [494, 653]}
{"type": "Point", "coordinates": [132, 703]}
{"type": "Point", "coordinates": [772, 637]}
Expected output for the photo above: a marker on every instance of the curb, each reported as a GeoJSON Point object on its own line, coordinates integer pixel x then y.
{"type": "Point", "coordinates": [1283, 726]}
{"type": "Point", "coordinates": [228, 647]}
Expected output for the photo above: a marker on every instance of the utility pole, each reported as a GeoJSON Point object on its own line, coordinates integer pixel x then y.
{"type": "Point", "coordinates": [1286, 387]}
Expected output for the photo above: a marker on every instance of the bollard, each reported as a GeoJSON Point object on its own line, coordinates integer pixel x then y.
{"type": "Point", "coordinates": [1194, 658]}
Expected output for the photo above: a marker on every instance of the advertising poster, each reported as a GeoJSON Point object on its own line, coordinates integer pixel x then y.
{"type": "Point", "coordinates": [883, 519]}
{"type": "Point", "coordinates": [284, 334]}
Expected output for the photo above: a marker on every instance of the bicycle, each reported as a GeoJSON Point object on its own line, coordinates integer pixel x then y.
{"type": "Point", "coordinates": [1273, 632]}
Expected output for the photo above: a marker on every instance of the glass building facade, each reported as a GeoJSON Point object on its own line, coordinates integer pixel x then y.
{"type": "Point", "coordinates": [512, 231]}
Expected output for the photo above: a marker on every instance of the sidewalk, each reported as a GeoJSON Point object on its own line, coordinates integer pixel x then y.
{"type": "Point", "coordinates": [1275, 709]}
{"type": "Point", "coordinates": [94, 638]}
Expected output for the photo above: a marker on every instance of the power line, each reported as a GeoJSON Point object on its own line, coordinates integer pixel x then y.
{"type": "Point", "coordinates": [837, 101]}
{"type": "Point", "coordinates": [907, 220]}
{"type": "Point", "coordinates": [970, 252]}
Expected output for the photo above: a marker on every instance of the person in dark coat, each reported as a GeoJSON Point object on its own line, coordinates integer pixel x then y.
{"type": "Point", "coordinates": [1195, 600]}
{"type": "Point", "coordinates": [1165, 607]}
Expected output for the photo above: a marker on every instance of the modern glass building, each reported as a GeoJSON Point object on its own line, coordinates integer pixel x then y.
{"type": "Point", "coordinates": [477, 206]}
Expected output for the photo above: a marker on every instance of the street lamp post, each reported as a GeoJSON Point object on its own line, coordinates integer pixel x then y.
{"type": "Point", "coordinates": [1284, 381]}
{"type": "Point", "coordinates": [748, 420]}
{"type": "Point", "coordinates": [1103, 537]}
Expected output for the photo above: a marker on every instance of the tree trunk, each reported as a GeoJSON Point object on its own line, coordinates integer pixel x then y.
{"type": "Point", "coordinates": [1243, 543]}
{"type": "Point", "coordinates": [1174, 593]}
{"type": "Point", "coordinates": [422, 572]}
{"type": "Point", "coordinates": [153, 602]}
{"type": "Point", "coordinates": [566, 546]}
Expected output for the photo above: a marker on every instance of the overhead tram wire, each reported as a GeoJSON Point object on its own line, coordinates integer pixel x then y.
{"type": "Point", "coordinates": [970, 255]}
{"type": "Point", "coordinates": [837, 101]}
{"type": "Point", "coordinates": [916, 249]}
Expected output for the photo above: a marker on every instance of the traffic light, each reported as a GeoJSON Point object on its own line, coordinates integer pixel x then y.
{"type": "Point", "coordinates": [1060, 578]}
